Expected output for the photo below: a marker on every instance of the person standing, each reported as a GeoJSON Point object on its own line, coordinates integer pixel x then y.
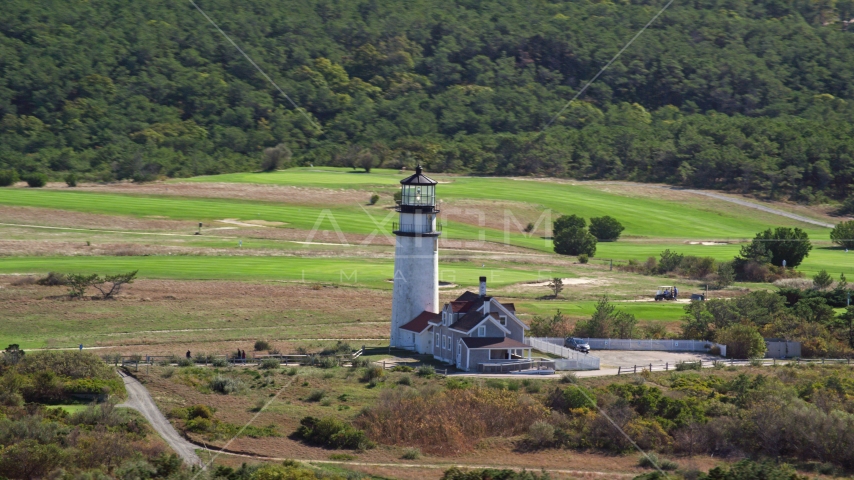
{"type": "Point", "coordinates": [188, 354]}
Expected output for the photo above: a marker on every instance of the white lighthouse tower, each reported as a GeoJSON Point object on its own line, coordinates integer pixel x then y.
{"type": "Point", "coordinates": [416, 253]}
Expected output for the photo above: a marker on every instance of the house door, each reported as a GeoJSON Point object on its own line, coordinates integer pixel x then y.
{"type": "Point", "coordinates": [459, 354]}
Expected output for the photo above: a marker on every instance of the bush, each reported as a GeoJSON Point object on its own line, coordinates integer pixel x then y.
{"type": "Point", "coordinates": [411, 454]}
{"type": "Point", "coordinates": [261, 345]}
{"type": "Point", "coordinates": [742, 341]}
{"type": "Point", "coordinates": [360, 362]}
{"type": "Point", "coordinates": [583, 258]}
{"type": "Point", "coordinates": [315, 395]}
{"type": "Point", "coordinates": [219, 362]}
{"type": "Point", "coordinates": [332, 433]}
{"type": "Point", "coordinates": [405, 380]}
{"type": "Point", "coordinates": [541, 433]}
{"type": "Point", "coordinates": [328, 362]}
{"type": "Point", "coordinates": [35, 180]}
{"type": "Point", "coordinates": [651, 460]}
{"type": "Point", "coordinates": [569, 377]}
{"type": "Point", "coordinates": [225, 385]}
{"type": "Point", "coordinates": [185, 362]}
{"type": "Point", "coordinates": [71, 180]}
{"type": "Point", "coordinates": [606, 229]}
{"type": "Point", "coordinates": [402, 368]}
{"type": "Point", "coordinates": [275, 157]}
{"type": "Point", "coordinates": [269, 364]}
{"type": "Point", "coordinates": [843, 233]}
{"type": "Point", "coordinates": [292, 371]}
{"type": "Point", "coordinates": [574, 241]}
{"type": "Point", "coordinates": [53, 279]}
{"type": "Point", "coordinates": [425, 371]}
{"type": "Point", "coordinates": [682, 366]}
{"type": "Point", "coordinates": [8, 178]}
{"type": "Point", "coordinates": [372, 373]}
{"type": "Point", "coordinates": [374, 199]}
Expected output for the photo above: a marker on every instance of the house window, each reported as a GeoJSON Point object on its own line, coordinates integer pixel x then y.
{"type": "Point", "coordinates": [437, 340]}
{"type": "Point", "coordinates": [503, 320]}
{"type": "Point", "coordinates": [481, 331]}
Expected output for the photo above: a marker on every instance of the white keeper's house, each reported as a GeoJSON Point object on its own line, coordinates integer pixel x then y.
{"type": "Point", "coordinates": [474, 329]}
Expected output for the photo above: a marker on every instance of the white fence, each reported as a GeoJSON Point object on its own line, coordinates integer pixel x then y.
{"type": "Point", "coordinates": [572, 360]}
{"type": "Point", "coordinates": [657, 345]}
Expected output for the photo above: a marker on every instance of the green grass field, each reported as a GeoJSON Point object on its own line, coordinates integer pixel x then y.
{"type": "Point", "coordinates": [643, 311]}
{"type": "Point", "coordinates": [341, 271]}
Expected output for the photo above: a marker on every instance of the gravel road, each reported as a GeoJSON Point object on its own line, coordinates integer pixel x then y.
{"type": "Point", "coordinates": [761, 207]}
{"type": "Point", "coordinates": [140, 400]}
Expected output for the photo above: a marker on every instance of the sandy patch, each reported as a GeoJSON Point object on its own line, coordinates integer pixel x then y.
{"type": "Point", "coordinates": [251, 223]}
{"type": "Point", "coordinates": [708, 243]}
{"type": "Point", "coordinates": [567, 282]}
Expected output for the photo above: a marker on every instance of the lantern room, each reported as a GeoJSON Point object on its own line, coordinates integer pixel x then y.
{"type": "Point", "coordinates": [418, 193]}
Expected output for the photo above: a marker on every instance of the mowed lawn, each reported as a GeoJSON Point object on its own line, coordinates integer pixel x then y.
{"type": "Point", "coordinates": [337, 270]}
{"type": "Point", "coordinates": [643, 311]}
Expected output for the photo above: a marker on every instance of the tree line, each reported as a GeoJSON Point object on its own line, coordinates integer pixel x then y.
{"type": "Point", "coordinates": [752, 96]}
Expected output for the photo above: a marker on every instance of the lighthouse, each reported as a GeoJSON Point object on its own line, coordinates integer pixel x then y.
{"type": "Point", "coordinates": [416, 253]}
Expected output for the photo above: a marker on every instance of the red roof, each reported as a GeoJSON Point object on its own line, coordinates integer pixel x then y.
{"type": "Point", "coordinates": [509, 306]}
{"type": "Point", "coordinates": [493, 342]}
{"type": "Point", "coordinates": [458, 307]}
{"type": "Point", "coordinates": [420, 323]}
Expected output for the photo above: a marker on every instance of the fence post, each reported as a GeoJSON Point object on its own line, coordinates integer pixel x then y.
{"type": "Point", "coordinates": [618, 369]}
{"type": "Point", "coordinates": [650, 368]}
{"type": "Point", "coordinates": [666, 367]}
{"type": "Point", "coordinates": [636, 369]}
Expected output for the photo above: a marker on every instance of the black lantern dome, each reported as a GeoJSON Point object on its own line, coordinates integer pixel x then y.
{"type": "Point", "coordinates": [418, 193]}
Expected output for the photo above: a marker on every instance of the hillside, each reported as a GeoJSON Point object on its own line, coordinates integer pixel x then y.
{"type": "Point", "coordinates": [751, 96]}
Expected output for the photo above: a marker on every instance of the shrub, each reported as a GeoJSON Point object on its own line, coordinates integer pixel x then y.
{"type": "Point", "coordinates": [682, 366]}
{"type": "Point", "coordinates": [185, 362]}
{"type": "Point", "coordinates": [569, 377]}
{"type": "Point", "coordinates": [456, 382]}
{"type": "Point", "coordinates": [541, 433]}
{"type": "Point", "coordinates": [411, 454]}
{"type": "Point", "coordinates": [742, 341]}
{"type": "Point", "coordinates": [822, 280]}
{"type": "Point", "coordinates": [529, 227]}
{"type": "Point", "coordinates": [374, 199]}
{"type": "Point", "coordinates": [842, 234]}
{"type": "Point", "coordinates": [425, 371]}
{"type": "Point", "coordinates": [261, 345]}
{"type": "Point", "coordinates": [402, 368]}
{"type": "Point", "coordinates": [225, 385]}
{"type": "Point", "coordinates": [574, 241]}
{"type": "Point", "coordinates": [332, 433]}
{"type": "Point", "coordinates": [269, 364]}
{"type": "Point", "coordinates": [405, 380]}
{"type": "Point", "coordinates": [35, 180]}
{"type": "Point", "coordinates": [315, 395]}
{"type": "Point", "coordinates": [8, 177]}
{"type": "Point", "coordinates": [606, 229]}
{"type": "Point", "coordinates": [275, 157]}
{"type": "Point", "coordinates": [345, 457]}
{"type": "Point", "coordinates": [360, 362]}
{"type": "Point", "coordinates": [651, 460]}
{"type": "Point", "coordinates": [292, 371]}
{"type": "Point", "coordinates": [53, 279]}
{"type": "Point", "coordinates": [200, 411]}
{"type": "Point", "coordinates": [371, 373]}
{"type": "Point", "coordinates": [328, 362]}
{"type": "Point", "coordinates": [71, 180]}
{"type": "Point", "coordinates": [583, 258]}
{"type": "Point", "coordinates": [219, 362]}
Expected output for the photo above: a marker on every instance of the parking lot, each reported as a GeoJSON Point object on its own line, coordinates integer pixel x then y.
{"type": "Point", "coordinates": [629, 358]}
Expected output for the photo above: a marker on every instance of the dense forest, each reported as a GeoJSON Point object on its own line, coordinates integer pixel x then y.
{"type": "Point", "coordinates": [748, 95]}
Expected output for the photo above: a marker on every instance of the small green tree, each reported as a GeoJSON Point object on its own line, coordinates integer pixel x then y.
{"type": "Point", "coordinates": [13, 354]}
{"type": "Point", "coordinates": [725, 275]}
{"type": "Point", "coordinates": [822, 280]}
{"type": "Point", "coordinates": [574, 241]}
{"type": "Point", "coordinates": [742, 341]}
{"type": "Point", "coordinates": [784, 243]}
{"type": "Point", "coordinates": [555, 326]}
{"type": "Point", "coordinates": [8, 177]}
{"type": "Point", "coordinates": [556, 286]}
{"type": "Point", "coordinates": [845, 322]}
{"type": "Point", "coordinates": [36, 179]}
{"type": "Point", "coordinates": [111, 285]}
{"type": "Point", "coordinates": [79, 282]}
{"type": "Point", "coordinates": [374, 199]}
{"type": "Point", "coordinates": [275, 157]}
{"type": "Point", "coordinates": [566, 222]}
{"type": "Point", "coordinates": [71, 179]}
{"type": "Point", "coordinates": [843, 234]}
{"type": "Point", "coordinates": [606, 229]}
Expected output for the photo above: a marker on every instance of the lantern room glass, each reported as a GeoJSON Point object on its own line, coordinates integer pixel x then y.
{"type": "Point", "coordinates": [418, 196]}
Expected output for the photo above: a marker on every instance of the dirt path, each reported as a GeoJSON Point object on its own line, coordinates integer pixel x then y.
{"type": "Point", "coordinates": [745, 203]}
{"type": "Point", "coordinates": [140, 400]}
